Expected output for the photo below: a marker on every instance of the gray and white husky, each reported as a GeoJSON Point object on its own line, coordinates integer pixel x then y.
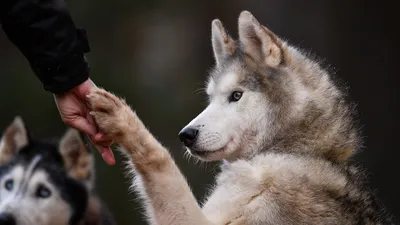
{"type": "Point", "coordinates": [280, 123]}
{"type": "Point", "coordinates": [42, 183]}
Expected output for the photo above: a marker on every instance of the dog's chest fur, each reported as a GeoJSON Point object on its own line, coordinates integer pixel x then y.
{"type": "Point", "coordinates": [233, 201]}
{"type": "Point", "coordinates": [255, 191]}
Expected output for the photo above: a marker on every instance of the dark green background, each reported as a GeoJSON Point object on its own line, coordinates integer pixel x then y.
{"type": "Point", "coordinates": [157, 53]}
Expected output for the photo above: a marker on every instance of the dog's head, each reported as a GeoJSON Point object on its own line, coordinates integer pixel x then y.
{"type": "Point", "coordinates": [263, 94]}
{"type": "Point", "coordinates": [43, 183]}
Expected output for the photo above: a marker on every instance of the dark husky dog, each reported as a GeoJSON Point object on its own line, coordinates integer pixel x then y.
{"type": "Point", "coordinates": [43, 183]}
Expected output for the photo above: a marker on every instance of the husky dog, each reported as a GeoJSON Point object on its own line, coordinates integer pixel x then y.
{"type": "Point", "coordinates": [42, 183]}
{"type": "Point", "coordinates": [280, 124]}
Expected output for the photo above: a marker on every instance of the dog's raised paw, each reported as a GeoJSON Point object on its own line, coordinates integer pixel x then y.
{"type": "Point", "coordinates": [109, 112]}
{"type": "Point", "coordinates": [103, 101]}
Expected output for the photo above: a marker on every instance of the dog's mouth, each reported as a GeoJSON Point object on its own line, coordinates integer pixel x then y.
{"type": "Point", "coordinates": [206, 153]}
{"type": "Point", "coordinates": [210, 155]}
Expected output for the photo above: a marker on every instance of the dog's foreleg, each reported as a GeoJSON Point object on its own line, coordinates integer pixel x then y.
{"type": "Point", "coordinates": [168, 197]}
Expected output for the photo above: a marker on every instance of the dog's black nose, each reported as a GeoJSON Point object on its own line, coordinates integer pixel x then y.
{"type": "Point", "coordinates": [7, 219]}
{"type": "Point", "coordinates": [188, 136]}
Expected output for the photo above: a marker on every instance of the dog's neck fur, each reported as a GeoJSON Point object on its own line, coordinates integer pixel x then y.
{"type": "Point", "coordinates": [320, 128]}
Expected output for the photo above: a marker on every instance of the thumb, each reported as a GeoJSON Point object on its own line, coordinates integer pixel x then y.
{"type": "Point", "coordinates": [105, 152]}
{"type": "Point", "coordinates": [90, 129]}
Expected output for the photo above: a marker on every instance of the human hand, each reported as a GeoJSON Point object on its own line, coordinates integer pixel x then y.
{"type": "Point", "coordinates": [74, 111]}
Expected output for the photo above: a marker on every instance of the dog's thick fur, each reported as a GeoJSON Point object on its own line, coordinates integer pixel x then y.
{"type": "Point", "coordinates": [64, 171]}
{"type": "Point", "coordinates": [281, 125]}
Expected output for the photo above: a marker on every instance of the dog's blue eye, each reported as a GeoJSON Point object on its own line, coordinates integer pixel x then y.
{"type": "Point", "coordinates": [235, 96]}
{"type": "Point", "coordinates": [9, 185]}
{"type": "Point", "coordinates": [43, 192]}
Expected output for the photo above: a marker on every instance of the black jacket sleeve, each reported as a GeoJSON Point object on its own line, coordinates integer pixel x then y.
{"type": "Point", "coordinates": [45, 33]}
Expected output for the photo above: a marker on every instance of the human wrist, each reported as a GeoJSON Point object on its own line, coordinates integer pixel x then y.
{"type": "Point", "coordinates": [80, 90]}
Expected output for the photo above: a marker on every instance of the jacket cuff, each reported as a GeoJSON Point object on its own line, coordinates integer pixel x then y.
{"type": "Point", "coordinates": [68, 72]}
{"type": "Point", "coordinates": [65, 76]}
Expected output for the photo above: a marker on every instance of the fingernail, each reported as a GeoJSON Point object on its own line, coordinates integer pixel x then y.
{"type": "Point", "coordinates": [108, 157]}
{"type": "Point", "coordinates": [99, 136]}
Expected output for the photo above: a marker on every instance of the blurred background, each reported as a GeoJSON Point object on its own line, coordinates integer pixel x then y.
{"type": "Point", "coordinates": [157, 53]}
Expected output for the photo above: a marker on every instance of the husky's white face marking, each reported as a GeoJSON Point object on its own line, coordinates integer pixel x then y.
{"type": "Point", "coordinates": [2, 144]}
{"type": "Point", "coordinates": [235, 115]}
{"type": "Point", "coordinates": [28, 196]}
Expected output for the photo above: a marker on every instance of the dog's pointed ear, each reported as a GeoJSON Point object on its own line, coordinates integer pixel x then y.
{"type": "Point", "coordinates": [261, 44]}
{"type": "Point", "coordinates": [14, 138]}
{"type": "Point", "coordinates": [223, 45]}
{"type": "Point", "coordinates": [78, 160]}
